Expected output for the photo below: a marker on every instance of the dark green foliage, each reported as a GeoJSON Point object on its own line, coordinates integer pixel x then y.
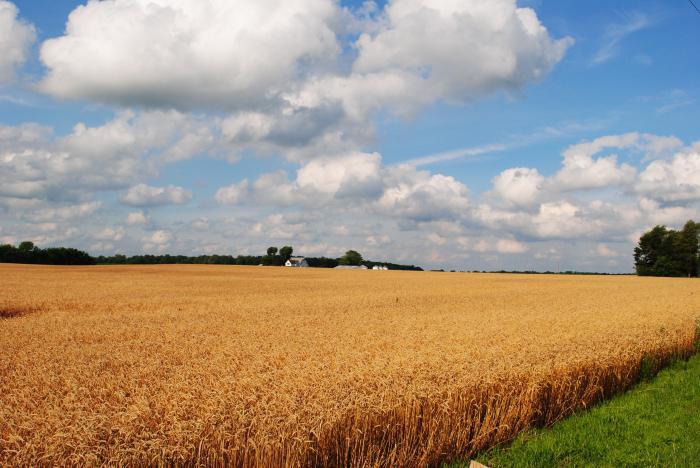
{"type": "Point", "coordinates": [322, 262]}
{"type": "Point", "coordinates": [686, 246]}
{"type": "Point", "coordinates": [120, 259]}
{"type": "Point", "coordinates": [286, 252]}
{"type": "Point", "coordinates": [351, 257]}
{"type": "Point", "coordinates": [667, 252]}
{"type": "Point", "coordinates": [567, 272]}
{"type": "Point", "coordinates": [272, 259]}
{"type": "Point", "coordinates": [26, 246]}
{"type": "Point", "coordinates": [268, 260]}
{"type": "Point", "coordinates": [392, 266]}
{"type": "Point", "coordinates": [27, 252]}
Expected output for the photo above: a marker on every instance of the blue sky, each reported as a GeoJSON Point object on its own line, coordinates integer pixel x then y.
{"type": "Point", "coordinates": [351, 129]}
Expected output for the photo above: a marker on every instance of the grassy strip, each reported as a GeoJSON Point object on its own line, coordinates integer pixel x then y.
{"type": "Point", "coordinates": [655, 424]}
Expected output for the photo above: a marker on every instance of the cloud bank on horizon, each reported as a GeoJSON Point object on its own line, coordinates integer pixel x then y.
{"type": "Point", "coordinates": [289, 100]}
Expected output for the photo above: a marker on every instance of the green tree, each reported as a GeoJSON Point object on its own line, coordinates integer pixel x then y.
{"type": "Point", "coordinates": [271, 251]}
{"type": "Point", "coordinates": [286, 252]}
{"type": "Point", "coordinates": [686, 247]}
{"type": "Point", "coordinates": [648, 251]}
{"type": "Point", "coordinates": [351, 257]}
{"type": "Point", "coordinates": [666, 252]}
{"type": "Point", "coordinates": [26, 246]}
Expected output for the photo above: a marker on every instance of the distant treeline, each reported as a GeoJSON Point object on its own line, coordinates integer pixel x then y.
{"type": "Point", "coordinates": [120, 259]}
{"type": "Point", "coordinates": [567, 272]}
{"type": "Point", "coordinates": [27, 252]}
{"type": "Point", "coordinates": [323, 262]}
{"type": "Point", "coordinates": [267, 260]}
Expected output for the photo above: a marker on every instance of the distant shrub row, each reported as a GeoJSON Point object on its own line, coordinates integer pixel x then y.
{"type": "Point", "coordinates": [268, 260]}
{"type": "Point", "coordinates": [27, 252]}
{"type": "Point", "coordinates": [120, 259]}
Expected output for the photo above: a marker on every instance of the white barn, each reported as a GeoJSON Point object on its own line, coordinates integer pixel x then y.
{"type": "Point", "coordinates": [297, 262]}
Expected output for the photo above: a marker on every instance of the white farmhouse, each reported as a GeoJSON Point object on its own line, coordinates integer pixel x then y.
{"type": "Point", "coordinates": [380, 267]}
{"type": "Point", "coordinates": [297, 262]}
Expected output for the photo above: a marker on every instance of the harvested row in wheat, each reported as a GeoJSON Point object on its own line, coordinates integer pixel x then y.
{"type": "Point", "coordinates": [294, 367]}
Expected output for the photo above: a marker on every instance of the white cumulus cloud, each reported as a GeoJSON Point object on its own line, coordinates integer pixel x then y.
{"type": "Point", "coordinates": [233, 194]}
{"type": "Point", "coordinates": [676, 180]}
{"type": "Point", "coordinates": [187, 53]}
{"type": "Point", "coordinates": [135, 218]}
{"type": "Point", "coordinates": [458, 50]}
{"type": "Point", "coordinates": [582, 171]}
{"type": "Point", "coordinates": [342, 176]}
{"type": "Point", "coordinates": [510, 246]}
{"type": "Point", "coordinates": [519, 186]}
{"type": "Point", "coordinates": [16, 37]}
{"type": "Point", "coordinates": [144, 195]}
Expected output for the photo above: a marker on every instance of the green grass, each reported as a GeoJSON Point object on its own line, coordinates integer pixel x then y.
{"type": "Point", "coordinates": [655, 424]}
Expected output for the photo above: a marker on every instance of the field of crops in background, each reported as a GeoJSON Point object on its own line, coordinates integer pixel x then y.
{"type": "Point", "coordinates": [295, 367]}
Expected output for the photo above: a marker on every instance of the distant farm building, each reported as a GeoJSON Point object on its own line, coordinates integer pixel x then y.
{"type": "Point", "coordinates": [351, 267]}
{"type": "Point", "coordinates": [297, 262]}
{"type": "Point", "coordinates": [380, 267]}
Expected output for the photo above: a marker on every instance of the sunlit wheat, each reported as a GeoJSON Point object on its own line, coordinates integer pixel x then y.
{"type": "Point", "coordinates": [293, 367]}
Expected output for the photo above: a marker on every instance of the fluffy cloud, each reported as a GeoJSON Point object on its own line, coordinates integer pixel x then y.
{"type": "Point", "coordinates": [160, 237]}
{"type": "Point", "coordinates": [136, 218]}
{"type": "Point", "coordinates": [188, 53]}
{"type": "Point", "coordinates": [355, 174]}
{"type": "Point", "coordinates": [64, 213]}
{"type": "Point", "coordinates": [288, 79]}
{"type": "Point", "coordinates": [201, 224]}
{"type": "Point", "coordinates": [422, 196]}
{"type": "Point", "coordinates": [210, 51]}
{"type": "Point", "coordinates": [36, 165]}
{"type": "Point", "coordinates": [292, 126]}
{"type": "Point", "coordinates": [357, 181]}
{"type": "Point", "coordinates": [510, 246]}
{"type": "Point", "coordinates": [144, 195]}
{"type": "Point", "coordinates": [233, 194]}
{"type": "Point", "coordinates": [605, 251]}
{"type": "Point", "coordinates": [560, 220]}
{"type": "Point", "coordinates": [16, 37]}
{"type": "Point", "coordinates": [158, 241]}
{"type": "Point", "coordinates": [352, 200]}
{"type": "Point", "coordinates": [297, 102]}
{"type": "Point", "coordinates": [582, 171]}
{"type": "Point", "coordinates": [459, 50]}
{"type": "Point", "coordinates": [657, 213]}
{"type": "Point", "coordinates": [321, 180]}
{"type": "Point", "coordinates": [111, 234]}
{"type": "Point", "coordinates": [677, 180]}
{"type": "Point", "coordinates": [532, 206]}
{"type": "Point", "coordinates": [519, 186]}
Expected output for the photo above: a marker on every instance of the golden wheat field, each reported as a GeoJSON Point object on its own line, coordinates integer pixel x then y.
{"type": "Point", "coordinates": [217, 365]}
